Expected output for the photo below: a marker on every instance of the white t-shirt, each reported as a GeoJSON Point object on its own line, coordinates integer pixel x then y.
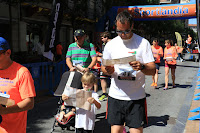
{"type": "Point", "coordinates": [40, 48]}
{"type": "Point", "coordinates": [118, 48]}
{"type": "Point", "coordinates": [86, 119]}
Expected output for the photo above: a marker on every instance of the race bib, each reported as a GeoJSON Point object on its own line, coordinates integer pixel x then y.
{"type": "Point", "coordinates": [77, 62]}
{"type": "Point", "coordinates": [126, 72]}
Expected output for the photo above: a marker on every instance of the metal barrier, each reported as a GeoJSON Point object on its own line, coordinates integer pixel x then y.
{"type": "Point", "coordinates": [47, 75]}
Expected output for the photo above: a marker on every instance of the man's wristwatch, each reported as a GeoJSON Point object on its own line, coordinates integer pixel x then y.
{"type": "Point", "coordinates": [142, 66]}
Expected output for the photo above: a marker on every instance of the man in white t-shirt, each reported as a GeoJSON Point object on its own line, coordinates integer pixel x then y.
{"type": "Point", "coordinates": [127, 99]}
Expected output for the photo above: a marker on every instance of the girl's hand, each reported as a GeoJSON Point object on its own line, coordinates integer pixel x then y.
{"type": "Point", "coordinates": [90, 100]}
{"type": "Point", "coordinates": [64, 97]}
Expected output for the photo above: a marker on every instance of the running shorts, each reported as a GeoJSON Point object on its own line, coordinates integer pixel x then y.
{"type": "Point", "coordinates": [170, 66]}
{"type": "Point", "coordinates": [132, 112]}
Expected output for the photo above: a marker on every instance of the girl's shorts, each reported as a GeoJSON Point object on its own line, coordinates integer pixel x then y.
{"type": "Point", "coordinates": [170, 66]}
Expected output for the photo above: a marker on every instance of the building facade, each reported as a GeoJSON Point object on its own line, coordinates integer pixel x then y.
{"type": "Point", "coordinates": [25, 24]}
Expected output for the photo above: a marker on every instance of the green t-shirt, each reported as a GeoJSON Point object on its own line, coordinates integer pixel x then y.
{"type": "Point", "coordinates": [81, 55]}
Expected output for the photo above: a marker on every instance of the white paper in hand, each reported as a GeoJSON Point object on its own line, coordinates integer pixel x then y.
{"type": "Point", "coordinates": [77, 97]}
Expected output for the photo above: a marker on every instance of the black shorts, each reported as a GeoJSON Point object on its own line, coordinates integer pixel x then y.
{"type": "Point", "coordinates": [132, 112]}
{"type": "Point", "coordinates": [103, 76]}
{"type": "Point", "coordinates": [81, 130]}
{"type": "Point", "coordinates": [157, 65]}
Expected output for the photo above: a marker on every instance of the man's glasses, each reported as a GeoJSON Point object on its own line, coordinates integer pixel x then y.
{"type": "Point", "coordinates": [124, 32]}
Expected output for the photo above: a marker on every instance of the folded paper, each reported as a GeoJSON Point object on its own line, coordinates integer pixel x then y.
{"type": "Point", "coordinates": [77, 97]}
{"type": "Point", "coordinates": [112, 62]}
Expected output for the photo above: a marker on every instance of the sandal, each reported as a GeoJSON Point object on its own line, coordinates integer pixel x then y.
{"type": "Point", "coordinates": [165, 88]}
{"type": "Point", "coordinates": [174, 86]}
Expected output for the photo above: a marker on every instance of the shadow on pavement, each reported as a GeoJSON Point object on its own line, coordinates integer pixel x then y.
{"type": "Point", "coordinates": [187, 66]}
{"type": "Point", "coordinates": [177, 86]}
{"type": "Point", "coordinates": [101, 124]}
{"type": "Point", "coordinates": [157, 121]}
{"type": "Point", "coordinates": [148, 95]}
{"type": "Point", "coordinates": [41, 112]}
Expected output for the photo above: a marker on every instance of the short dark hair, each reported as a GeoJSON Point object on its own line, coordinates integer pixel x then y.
{"type": "Point", "coordinates": [155, 39]}
{"type": "Point", "coordinates": [123, 17]}
{"type": "Point", "coordinates": [169, 41]}
{"type": "Point", "coordinates": [106, 34]}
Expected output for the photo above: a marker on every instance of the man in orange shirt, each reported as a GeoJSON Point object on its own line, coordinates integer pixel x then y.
{"type": "Point", "coordinates": [157, 53]}
{"type": "Point", "coordinates": [16, 81]}
{"type": "Point", "coordinates": [179, 51]}
{"type": "Point", "coordinates": [189, 43]}
{"type": "Point", "coordinates": [59, 49]}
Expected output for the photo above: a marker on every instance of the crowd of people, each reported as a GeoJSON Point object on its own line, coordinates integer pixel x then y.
{"type": "Point", "coordinates": [121, 94]}
{"type": "Point", "coordinates": [126, 99]}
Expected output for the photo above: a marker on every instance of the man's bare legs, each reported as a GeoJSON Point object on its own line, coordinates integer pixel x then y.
{"type": "Point", "coordinates": [104, 95]}
{"type": "Point", "coordinates": [117, 128]}
{"type": "Point", "coordinates": [95, 87]}
{"type": "Point", "coordinates": [103, 85]}
{"type": "Point", "coordinates": [136, 130]}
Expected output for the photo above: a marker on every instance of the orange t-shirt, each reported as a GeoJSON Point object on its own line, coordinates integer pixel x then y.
{"type": "Point", "coordinates": [18, 83]}
{"type": "Point", "coordinates": [170, 52]}
{"type": "Point", "coordinates": [59, 49]}
{"type": "Point", "coordinates": [156, 51]}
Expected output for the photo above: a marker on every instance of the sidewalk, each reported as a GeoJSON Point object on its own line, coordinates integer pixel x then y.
{"type": "Point", "coordinates": [193, 126]}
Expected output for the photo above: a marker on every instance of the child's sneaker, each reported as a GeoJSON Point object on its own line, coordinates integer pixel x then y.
{"type": "Point", "coordinates": [103, 97]}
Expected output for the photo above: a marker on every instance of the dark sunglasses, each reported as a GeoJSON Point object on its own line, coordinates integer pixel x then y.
{"type": "Point", "coordinates": [125, 32]}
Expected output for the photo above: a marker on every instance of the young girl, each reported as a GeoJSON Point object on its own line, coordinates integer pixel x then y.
{"type": "Point", "coordinates": [170, 56]}
{"type": "Point", "coordinates": [85, 120]}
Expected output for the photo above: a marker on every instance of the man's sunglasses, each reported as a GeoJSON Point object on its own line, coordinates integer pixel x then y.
{"type": "Point", "coordinates": [102, 37]}
{"type": "Point", "coordinates": [125, 32]}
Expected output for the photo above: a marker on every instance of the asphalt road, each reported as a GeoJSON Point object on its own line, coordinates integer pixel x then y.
{"type": "Point", "coordinates": [167, 109]}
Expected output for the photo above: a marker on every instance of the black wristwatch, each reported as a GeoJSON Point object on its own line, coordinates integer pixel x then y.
{"type": "Point", "coordinates": [142, 66]}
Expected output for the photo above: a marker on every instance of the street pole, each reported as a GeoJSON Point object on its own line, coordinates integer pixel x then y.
{"type": "Point", "coordinates": [198, 29]}
{"type": "Point", "coordinates": [10, 22]}
{"type": "Point", "coordinates": [197, 14]}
